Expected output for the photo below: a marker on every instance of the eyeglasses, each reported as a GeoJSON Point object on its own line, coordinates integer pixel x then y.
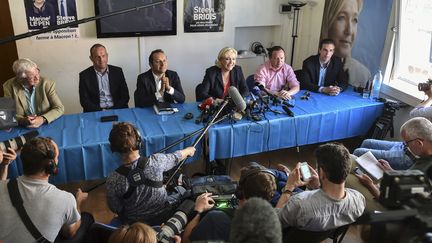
{"type": "Point", "coordinates": [406, 143]}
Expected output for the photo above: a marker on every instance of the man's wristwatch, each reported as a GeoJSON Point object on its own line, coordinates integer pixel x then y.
{"type": "Point", "coordinates": [285, 190]}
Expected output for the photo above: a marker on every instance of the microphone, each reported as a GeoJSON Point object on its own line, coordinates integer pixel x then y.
{"type": "Point", "coordinates": [256, 90]}
{"type": "Point", "coordinates": [261, 87]}
{"type": "Point", "coordinates": [237, 98]}
{"type": "Point", "coordinates": [288, 111]}
{"type": "Point", "coordinates": [207, 103]}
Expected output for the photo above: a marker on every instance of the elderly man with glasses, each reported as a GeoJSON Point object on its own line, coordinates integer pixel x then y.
{"type": "Point", "coordinates": [416, 134]}
{"type": "Point", "coordinates": [36, 99]}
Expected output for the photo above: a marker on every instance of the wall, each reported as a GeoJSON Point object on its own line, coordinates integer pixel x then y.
{"type": "Point", "coordinates": [188, 53]}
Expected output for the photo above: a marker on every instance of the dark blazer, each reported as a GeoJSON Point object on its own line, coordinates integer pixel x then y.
{"type": "Point", "coordinates": [146, 89]}
{"type": "Point", "coordinates": [335, 74]}
{"type": "Point", "coordinates": [89, 89]}
{"type": "Point", "coordinates": [212, 85]}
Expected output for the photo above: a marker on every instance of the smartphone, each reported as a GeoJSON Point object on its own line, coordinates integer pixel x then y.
{"type": "Point", "coordinates": [305, 171]}
{"type": "Point", "coordinates": [358, 171]}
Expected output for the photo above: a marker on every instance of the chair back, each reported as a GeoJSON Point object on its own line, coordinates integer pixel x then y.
{"type": "Point", "coordinates": [304, 236]}
{"type": "Point", "coordinates": [99, 233]}
{"type": "Point", "coordinates": [299, 75]}
{"type": "Point", "coordinates": [197, 91]}
{"type": "Point", "coordinates": [250, 82]}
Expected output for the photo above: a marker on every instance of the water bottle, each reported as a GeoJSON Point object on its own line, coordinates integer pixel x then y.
{"type": "Point", "coordinates": [376, 85]}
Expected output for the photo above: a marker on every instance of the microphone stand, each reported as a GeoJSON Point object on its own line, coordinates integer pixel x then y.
{"type": "Point", "coordinates": [204, 131]}
{"type": "Point", "coordinates": [80, 21]}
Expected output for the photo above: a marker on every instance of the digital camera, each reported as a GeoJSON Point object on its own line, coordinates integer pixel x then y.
{"type": "Point", "coordinates": [425, 86]}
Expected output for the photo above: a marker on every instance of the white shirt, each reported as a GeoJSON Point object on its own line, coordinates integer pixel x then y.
{"type": "Point", "coordinates": [158, 84]}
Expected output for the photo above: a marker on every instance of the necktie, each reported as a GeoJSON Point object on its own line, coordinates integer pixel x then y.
{"type": "Point", "coordinates": [62, 8]}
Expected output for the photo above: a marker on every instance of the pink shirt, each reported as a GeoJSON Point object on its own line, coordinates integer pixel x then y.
{"type": "Point", "coordinates": [275, 80]}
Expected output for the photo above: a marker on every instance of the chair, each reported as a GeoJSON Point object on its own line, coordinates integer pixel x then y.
{"type": "Point", "coordinates": [250, 82]}
{"type": "Point", "coordinates": [299, 74]}
{"type": "Point", "coordinates": [197, 91]}
{"type": "Point", "coordinates": [300, 236]}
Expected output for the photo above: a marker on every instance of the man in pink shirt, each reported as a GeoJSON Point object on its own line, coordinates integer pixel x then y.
{"type": "Point", "coordinates": [276, 76]}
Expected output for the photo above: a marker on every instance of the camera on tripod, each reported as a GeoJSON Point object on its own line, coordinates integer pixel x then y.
{"type": "Point", "coordinates": [425, 86]}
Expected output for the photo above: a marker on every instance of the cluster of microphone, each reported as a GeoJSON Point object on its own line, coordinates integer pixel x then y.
{"type": "Point", "coordinates": [209, 107]}
{"type": "Point", "coordinates": [257, 91]}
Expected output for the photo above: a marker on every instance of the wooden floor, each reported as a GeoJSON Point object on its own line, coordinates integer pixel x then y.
{"type": "Point", "coordinates": [96, 203]}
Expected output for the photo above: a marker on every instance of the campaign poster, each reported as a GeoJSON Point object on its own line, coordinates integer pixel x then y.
{"type": "Point", "coordinates": [204, 15]}
{"type": "Point", "coordinates": [47, 13]}
{"type": "Point", "coordinates": [358, 28]}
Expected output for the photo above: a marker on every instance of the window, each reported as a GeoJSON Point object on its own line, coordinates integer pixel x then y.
{"type": "Point", "coordinates": [413, 55]}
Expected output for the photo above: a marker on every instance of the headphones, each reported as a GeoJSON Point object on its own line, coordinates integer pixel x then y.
{"type": "Point", "coordinates": [254, 168]}
{"type": "Point", "coordinates": [138, 140]}
{"type": "Point", "coordinates": [51, 168]}
{"type": "Point", "coordinates": [258, 48]}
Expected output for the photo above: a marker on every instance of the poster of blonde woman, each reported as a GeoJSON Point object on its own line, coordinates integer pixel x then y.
{"type": "Point", "coordinates": [358, 28]}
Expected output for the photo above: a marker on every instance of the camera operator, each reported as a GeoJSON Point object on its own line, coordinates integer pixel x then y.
{"type": "Point", "coordinates": [424, 109]}
{"type": "Point", "coordinates": [255, 181]}
{"type": "Point", "coordinates": [6, 159]}
{"type": "Point", "coordinates": [148, 202]}
{"type": "Point", "coordinates": [417, 136]}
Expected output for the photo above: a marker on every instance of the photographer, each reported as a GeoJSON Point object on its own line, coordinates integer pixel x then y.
{"type": "Point", "coordinates": [148, 201]}
{"type": "Point", "coordinates": [214, 225]}
{"type": "Point", "coordinates": [424, 109]}
{"type": "Point", "coordinates": [6, 159]}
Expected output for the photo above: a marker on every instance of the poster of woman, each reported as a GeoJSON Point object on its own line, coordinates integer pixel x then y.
{"type": "Point", "coordinates": [358, 28]}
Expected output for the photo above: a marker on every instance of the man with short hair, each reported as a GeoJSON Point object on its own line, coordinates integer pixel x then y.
{"type": "Point", "coordinates": [158, 84]}
{"type": "Point", "coordinates": [330, 204]}
{"type": "Point", "coordinates": [102, 86]}
{"type": "Point", "coordinates": [50, 210]}
{"type": "Point", "coordinates": [276, 76]}
{"type": "Point", "coordinates": [36, 99]}
{"type": "Point", "coordinates": [324, 72]}
{"type": "Point", "coordinates": [417, 136]}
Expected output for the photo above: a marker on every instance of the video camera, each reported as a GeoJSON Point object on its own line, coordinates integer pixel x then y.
{"type": "Point", "coordinates": [425, 86]}
{"type": "Point", "coordinates": [176, 223]}
{"type": "Point", "coordinates": [398, 187]}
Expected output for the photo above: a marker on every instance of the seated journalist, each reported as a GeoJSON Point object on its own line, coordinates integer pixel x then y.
{"type": "Point", "coordinates": [102, 86]}
{"type": "Point", "coordinates": [424, 109]}
{"type": "Point", "coordinates": [214, 225]}
{"type": "Point", "coordinates": [417, 136]}
{"type": "Point", "coordinates": [221, 76]}
{"type": "Point", "coordinates": [276, 76]}
{"type": "Point", "coordinates": [329, 204]}
{"type": "Point", "coordinates": [54, 213]}
{"type": "Point", "coordinates": [148, 202]}
{"type": "Point", "coordinates": [324, 72]}
{"type": "Point", "coordinates": [158, 84]}
{"type": "Point", "coordinates": [36, 99]}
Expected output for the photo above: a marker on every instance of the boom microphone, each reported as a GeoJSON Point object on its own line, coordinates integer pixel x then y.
{"type": "Point", "coordinates": [18, 142]}
{"type": "Point", "coordinates": [237, 98]}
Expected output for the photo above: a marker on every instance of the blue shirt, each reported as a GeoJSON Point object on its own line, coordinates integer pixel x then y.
{"type": "Point", "coordinates": [30, 98]}
{"type": "Point", "coordinates": [105, 97]}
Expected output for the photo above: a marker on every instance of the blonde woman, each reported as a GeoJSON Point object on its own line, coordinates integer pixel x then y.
{"type": "Point", "coordinates": [221, 76]}
{"type": "Point", "coordinates": [340, 21]}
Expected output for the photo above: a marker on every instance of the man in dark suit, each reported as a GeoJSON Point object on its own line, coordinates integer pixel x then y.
{"type": "Point", "coordinates": [102, 86]}
{"type": "Point", "coordinates": [158, 84]}
{"type": "Point", "coordinates": [324, 72]}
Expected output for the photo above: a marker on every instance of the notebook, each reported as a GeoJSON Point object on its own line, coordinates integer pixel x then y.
{"type": "Point", "coordinates": [368, 163]}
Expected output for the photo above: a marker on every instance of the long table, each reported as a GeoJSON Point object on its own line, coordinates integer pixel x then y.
{"type": "Point", "coordinates": [321, 118]}
{"type": "Point", "coordinates": [85, 152]}
{"type": "Point", "coordinates": [83, 139]}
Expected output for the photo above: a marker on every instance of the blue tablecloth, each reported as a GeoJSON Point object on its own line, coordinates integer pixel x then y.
{"type": "Point", "coordinates": [84, 146]}
{"type": "Point", "coordinates": [85, 152]}
{"type": "Point", "coordinates": [321, 118]}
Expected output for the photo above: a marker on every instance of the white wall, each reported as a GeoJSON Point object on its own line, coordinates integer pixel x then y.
{"type": "Point", "coordinates": [188, 53]}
